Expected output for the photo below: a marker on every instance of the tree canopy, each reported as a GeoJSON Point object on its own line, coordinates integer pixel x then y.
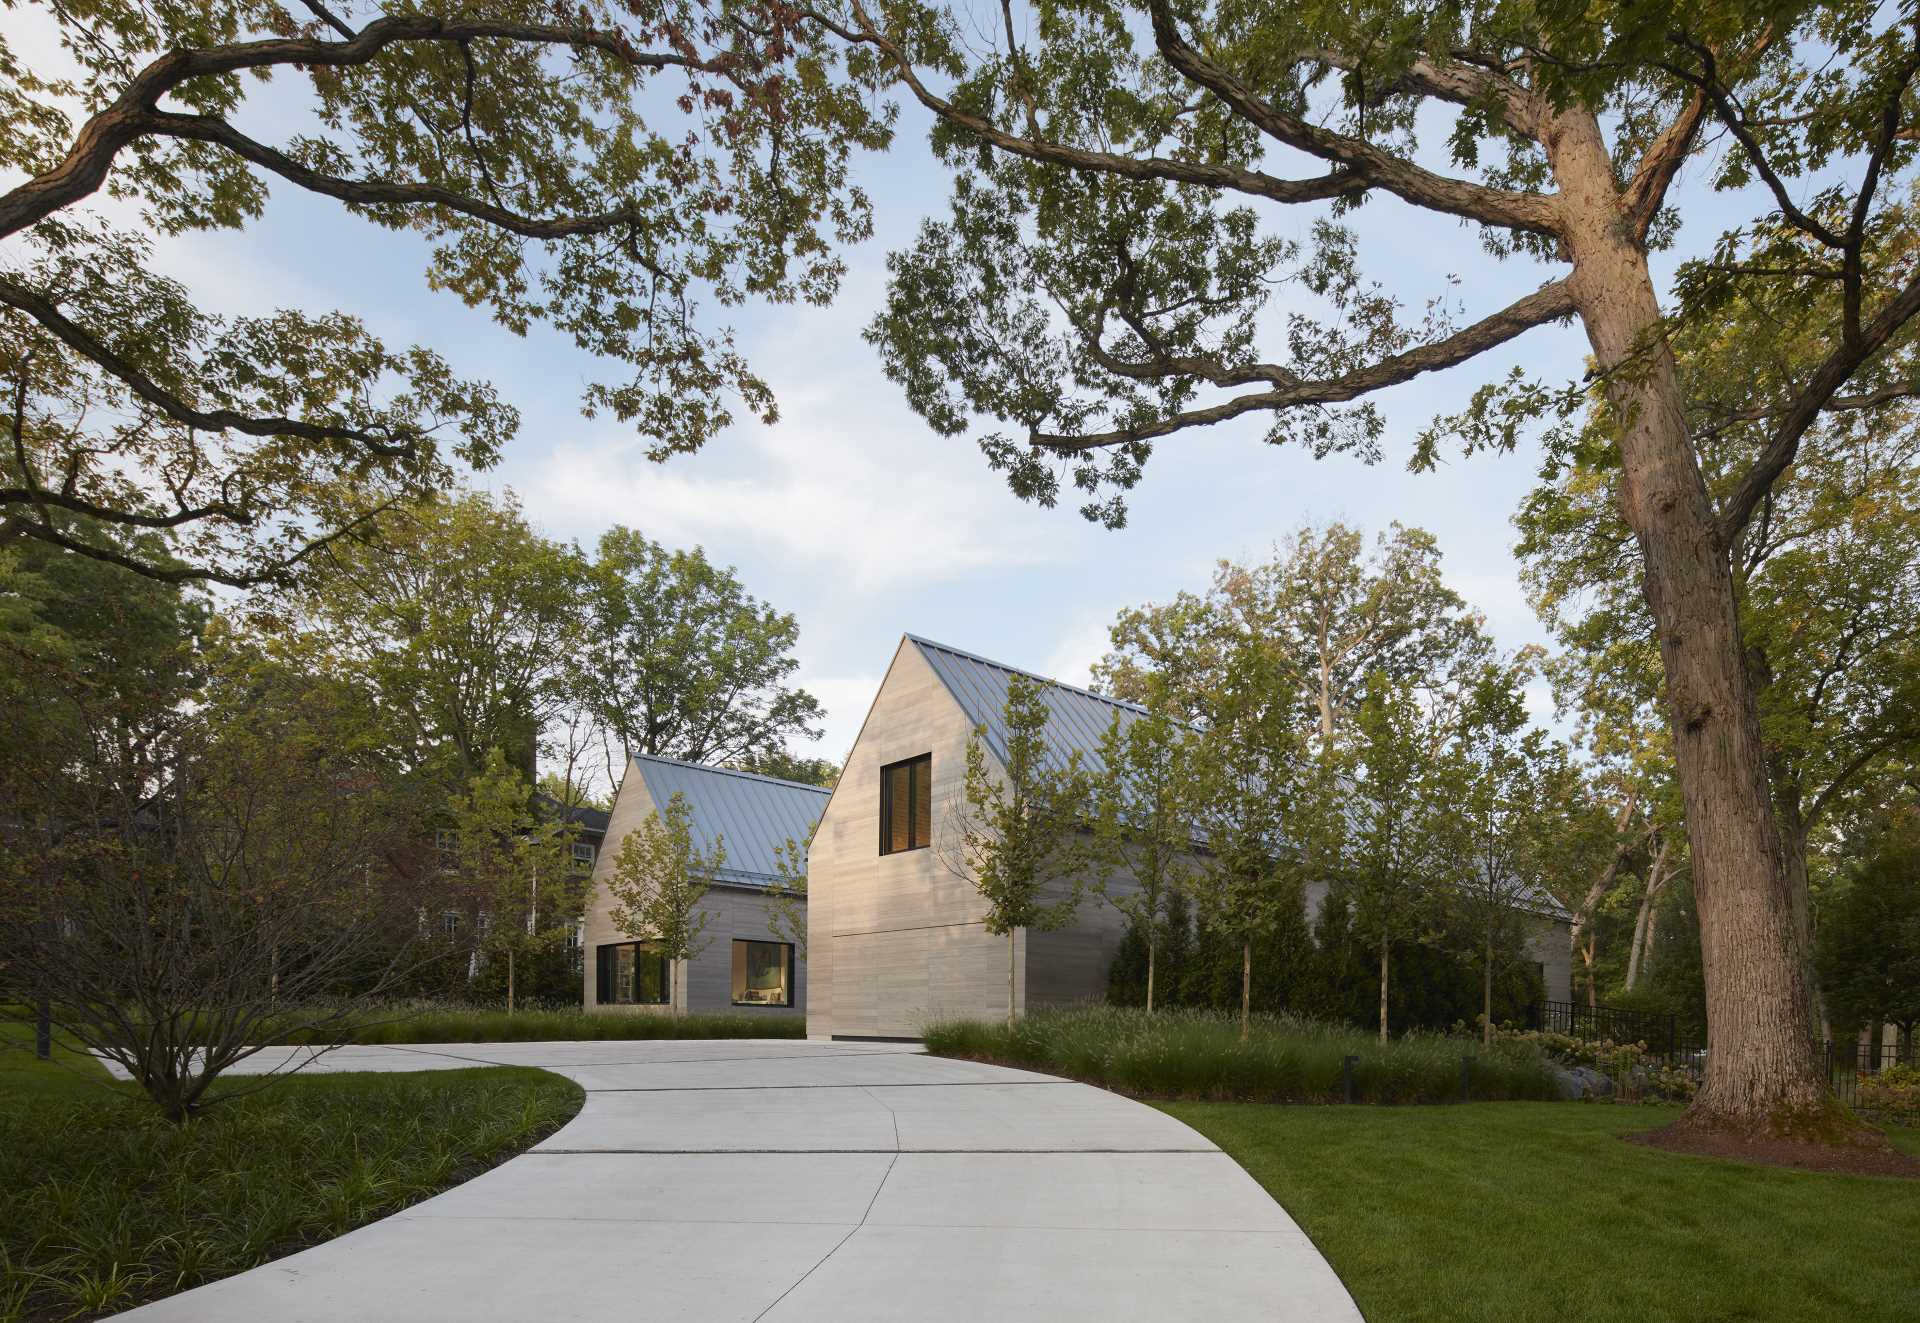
{"type": "Point", "coordinates": [611, 170]}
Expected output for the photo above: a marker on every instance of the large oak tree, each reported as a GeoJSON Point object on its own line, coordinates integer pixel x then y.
{"type": "Point", "coordinates": [605, 167]}
{"type": "Point", "coordinates": [1130, 182]}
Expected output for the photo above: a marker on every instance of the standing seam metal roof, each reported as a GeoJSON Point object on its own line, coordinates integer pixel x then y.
{"type": "Point", "coordinates": [1078, 720]}
{"type": "Point", "coordinates": [752, 815]}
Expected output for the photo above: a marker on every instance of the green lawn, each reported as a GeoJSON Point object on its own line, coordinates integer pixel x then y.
{"type": "Point", "coordinates": [1510, 1212]}
{"type": "Point", "coordinates": [108, 1205]}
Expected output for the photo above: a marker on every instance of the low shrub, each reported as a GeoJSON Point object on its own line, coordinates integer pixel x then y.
{"type": "Point", "coordinates": [109, 1204]}
{"type": "Point", "coordinates": [437, 1022]}
{"type": "Point", "coordinates": [1893, 1093]}
{"type": "Point", "coordinates": [1186, 1054]}
{"type": "Point", "coordinates": [1638, 1076]}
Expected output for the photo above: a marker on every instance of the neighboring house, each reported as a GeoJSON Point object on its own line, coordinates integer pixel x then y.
{"type": "Point", "coordinates": [743, 966]}
{"type": "Point", "coordinates": [896, 936]}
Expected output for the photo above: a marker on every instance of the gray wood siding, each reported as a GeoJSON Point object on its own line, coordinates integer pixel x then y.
{"type": "Point", "coordinates": [704, 983]}
{"type": "Point", "coordinates": [871, 974]}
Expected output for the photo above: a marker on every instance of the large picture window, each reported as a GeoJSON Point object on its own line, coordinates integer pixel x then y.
{"type": "Point", "coordinates": [906, 804]}
{"type": "Point", "coordinates": [762, 973]}
{"type": "Point", "coordinates": [631, 974]}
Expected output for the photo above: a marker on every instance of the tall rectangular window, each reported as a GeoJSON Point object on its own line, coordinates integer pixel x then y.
{"type": "Point", "coordinates": [762, 973]}
{"type": "Point", "coordinates": [906, 804]}
{"type": "Point", "coordinates": [630, 974]}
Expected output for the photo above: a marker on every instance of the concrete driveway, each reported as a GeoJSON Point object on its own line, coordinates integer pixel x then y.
{"type": "Point", "coordinates": [787, 1181]}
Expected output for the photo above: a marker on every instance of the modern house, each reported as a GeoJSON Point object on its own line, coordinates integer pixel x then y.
{"type": "Point", "coordinates": [896, 938]}
{"type": "Point", "coordinates": [743, 966]}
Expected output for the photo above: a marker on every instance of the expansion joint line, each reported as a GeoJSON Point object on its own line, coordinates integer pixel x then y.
{"type": "Point", "coordinates": [864, 1213]}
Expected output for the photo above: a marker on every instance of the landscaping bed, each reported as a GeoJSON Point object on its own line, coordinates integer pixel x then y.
{"type": "Point", "coordinates": [1192, 1054]}
{"type": "Point", "coordinates": [1523, 1212]}
{"type": "Point", "coordinates": [109, 1205]}
{"type": "Point", "coordinates": [435, 1023]}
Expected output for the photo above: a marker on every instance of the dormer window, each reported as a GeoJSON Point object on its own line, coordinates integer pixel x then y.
{"type": "Point", "coordinates": [906, 805]}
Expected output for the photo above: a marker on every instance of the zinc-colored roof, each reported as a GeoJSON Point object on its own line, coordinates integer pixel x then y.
{"type": "Point", "coordinates": [1078, 718]}
{"type": "Point", "coordinates": [752, 815]}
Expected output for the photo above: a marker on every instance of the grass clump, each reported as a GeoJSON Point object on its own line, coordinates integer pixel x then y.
{"type": "Point", "coordinates": [1532, 1213]}
{"type": "Point", "coordinates": [110, 1205]}
{"type": "Point", "coordinates": [1198, 1054]}
{"type": "Point", "coordinates": [435, 1022]}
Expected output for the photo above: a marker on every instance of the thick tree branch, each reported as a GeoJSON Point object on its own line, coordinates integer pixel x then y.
{"type": "Point", "coordinates": [101, 138]}
{"type": "Point", "coordinates": [85, 343]}
{"type": "Point", "coordinates": [1336, 183]}
{"type": "Point", "coordinates": [1546, 304]}
{"type": "Point", "coordinates": [1814, 398]}
{"type": "Point", "coordinates": [1529, 212]}
{"type": "Point", "coordinates": [380, 192]}
{"type": "Point", "coordinates": [1647, 190]}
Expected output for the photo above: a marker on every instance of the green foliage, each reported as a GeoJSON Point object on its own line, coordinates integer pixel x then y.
{"type": "Point", "coordinates": [1194, 1054]}
{"type": "Point", "coordinates": [1326, 612]}
{"type": "Point", "coordinates": [1441, 1215]}
{"type": "Point", "coordinates": [437, 1022]}
{"type": "Point", "coordinates": [659, 878]}
{"type": "Point", "coordinates": [108, 1205]}
{"type": "Point", "coordinates": [1869, 938]}
{"type": "Point", "coordinates": [612, 171]}
{"type": "Point", "coordinates": [1144, 825]}
{"type": "Point", "coordinates": [519, 863]}
{"type": "Point", "coordinates": [458, 619]}
{"type": "Point", "coordinates": [1893, 1093]}
{"type": "Point", "coordinates": [1015, 833]}
{"type": "Point", "coordinates": [675, 658]}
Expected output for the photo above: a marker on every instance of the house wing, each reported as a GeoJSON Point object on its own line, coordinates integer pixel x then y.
{"type": "Point", "coordinates": [753, 816]}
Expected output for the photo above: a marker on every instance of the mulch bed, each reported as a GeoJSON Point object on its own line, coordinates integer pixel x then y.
{"type": "Point", "coordinates": [1888, 1161]}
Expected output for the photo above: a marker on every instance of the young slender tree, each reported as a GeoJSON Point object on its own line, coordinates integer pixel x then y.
{"type": "Point", "coordinates": [1502, 770]}
{"type": "Point", "coordinates": [1135, 180]}
{"type": "Point", "coordinates": [1252, 769]}
{"type": "Point", "coordinates": [519, 865]}
{"type": "Point", "coordinates": [787, 893]}
{"type": "Point", "coordinates": [1144, 823]}
{"type": "Point", "coordinates": [1016, 832]}
{"type": "Point", "coordinates": [660, 877]}
{"type": "Point", "coordinates": [1400, 870]}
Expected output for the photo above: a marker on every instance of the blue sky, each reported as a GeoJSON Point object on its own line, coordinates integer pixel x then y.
{"type": "Point", "coordinates": [852, 515]}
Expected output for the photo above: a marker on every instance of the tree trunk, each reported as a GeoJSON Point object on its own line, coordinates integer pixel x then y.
{"type": "Point", "coordinates": [1577, 933]}
{"type": "Point", "coordinates": [1151, 944]}
{"type": "Point", "coordinates": [509, 980]}
{"type": "Point", "coordinates": [1586, 958]}
{"type": "Point", "coordinates": [1643, 921]}
{"type": "Point", "coordinates": [1246, 986]}
{"type": "Point", "coordinates": [1010, 963]}
{"type": "Point", "coordinates": [1794, 830]}
{"type": "Point", "coordinates": [1383, 991]}
{"type": "Point", "coordinates": [1486, 989]}
{"type": "Point", "coordinates": [1760, 1075]}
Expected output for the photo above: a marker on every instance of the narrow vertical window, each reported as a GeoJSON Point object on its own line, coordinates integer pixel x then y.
{"type": "Point", "coordinates": [906, 804]}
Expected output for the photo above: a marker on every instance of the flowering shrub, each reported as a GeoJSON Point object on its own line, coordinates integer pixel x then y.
{"type": "Point", "coordinates": [1894, 1093]}
{"type": "Point", "coordinates": [1637, 1075]}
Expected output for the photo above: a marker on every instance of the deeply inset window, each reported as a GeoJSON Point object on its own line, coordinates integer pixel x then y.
{"type": "Point", "coordinates": [762, 974]}
{"type": "Point", "coordinates": [906, 804]}
{"type": "Point", "coordinates": [631, 974]}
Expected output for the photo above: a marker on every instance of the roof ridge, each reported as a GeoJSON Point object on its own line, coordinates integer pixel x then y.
{"type": "Point", "coordinates": [728, 771]}
{"type": "Point", "coordinates": [1031, 675]}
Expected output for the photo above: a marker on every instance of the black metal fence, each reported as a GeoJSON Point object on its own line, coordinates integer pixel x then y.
{"type": "Point", "coordinates": [1850, 1062]}
{"type": "Point", "coordinates": [1661, 1033]}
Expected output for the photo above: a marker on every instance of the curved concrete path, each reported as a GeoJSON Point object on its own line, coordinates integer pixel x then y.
{"type": "Point", "coordinates": [784, 1181]}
